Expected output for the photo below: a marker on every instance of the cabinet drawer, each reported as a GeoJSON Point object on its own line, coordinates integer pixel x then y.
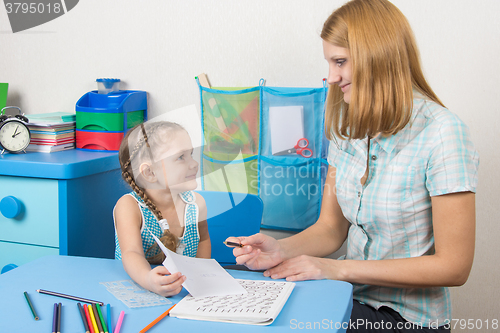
{"type": "Point", "coordinates": [38, 221]}
{"type": "Point", "coordinates": [20, 254]}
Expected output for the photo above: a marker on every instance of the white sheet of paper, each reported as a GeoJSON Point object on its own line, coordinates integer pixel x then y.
{"type": "Point", "coordinates": [287, 126]}
{"type": "Point", "coordinates": [204, 277]}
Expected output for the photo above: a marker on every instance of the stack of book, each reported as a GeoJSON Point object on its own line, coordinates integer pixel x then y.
{"type": "Point", "coordinates": [52, 132]}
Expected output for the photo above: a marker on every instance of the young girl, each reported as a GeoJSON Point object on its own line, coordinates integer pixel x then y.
{"type": "Point", "coordinates": [156, 161]}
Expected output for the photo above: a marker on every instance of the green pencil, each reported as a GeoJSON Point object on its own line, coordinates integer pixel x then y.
{"type": "Point", "coordinates": [102, 318]}
{"type": "Point", "coordinates": [31, 306]}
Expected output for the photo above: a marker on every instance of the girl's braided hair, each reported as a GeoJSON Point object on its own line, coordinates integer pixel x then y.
{"type": "Point", "coordinates": [138, 146]}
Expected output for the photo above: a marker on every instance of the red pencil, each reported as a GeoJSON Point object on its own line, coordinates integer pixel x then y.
{"type": "Point", "coordinates": [91, 327]}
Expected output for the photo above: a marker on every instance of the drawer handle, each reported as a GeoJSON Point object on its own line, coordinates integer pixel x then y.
{"type": "Point", "coordinates": [10, 207]}
{"type": "Point", "coordinates": [7, 268]}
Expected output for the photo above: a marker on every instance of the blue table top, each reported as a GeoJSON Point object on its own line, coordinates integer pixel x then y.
{"type": "Point", "coordinates": [66, 164]}
{"type": "Point", "coordinates": [322, 303]}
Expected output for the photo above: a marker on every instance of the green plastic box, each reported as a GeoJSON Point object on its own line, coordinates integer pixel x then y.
{"type": "Point", "coordinates": [3, 95]}
{"type": "Point", "coordinates": [95, 121]}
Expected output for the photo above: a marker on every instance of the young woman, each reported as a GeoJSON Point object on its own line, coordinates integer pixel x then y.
{"type": "Point", "coordinates": [400, 187]}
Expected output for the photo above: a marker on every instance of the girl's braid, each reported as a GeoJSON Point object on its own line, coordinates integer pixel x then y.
{"type": "Point", "coordinates": [168, 239]}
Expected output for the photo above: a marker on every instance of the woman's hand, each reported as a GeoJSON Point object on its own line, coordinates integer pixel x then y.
{"type": "Point", "coordinates": [305, 268]}
{"type": "Point", "coordinates": [163, 283]}
{"type": "Point", "coordinates": [259, 251]}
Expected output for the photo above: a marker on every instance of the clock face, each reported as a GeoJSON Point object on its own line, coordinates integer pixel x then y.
{"type": "Point", "coordinates": [14, 136]}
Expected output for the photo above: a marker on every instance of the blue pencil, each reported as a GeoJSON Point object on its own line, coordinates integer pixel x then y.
{"type": "Point", "coordinates": [108, 312]}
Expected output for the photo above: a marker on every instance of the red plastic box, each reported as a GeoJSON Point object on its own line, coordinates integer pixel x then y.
{"type": "Point", "coordinates": [98, 140]}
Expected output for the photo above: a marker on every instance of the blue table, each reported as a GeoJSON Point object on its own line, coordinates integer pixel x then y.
{"type": "Point", "coordinates": [324, 303]}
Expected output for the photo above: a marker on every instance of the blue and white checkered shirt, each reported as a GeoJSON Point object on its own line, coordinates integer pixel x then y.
{"type": "Point", "coordinates": [391, 214]}
{"type": "Point", "coordinates": [188, 243]}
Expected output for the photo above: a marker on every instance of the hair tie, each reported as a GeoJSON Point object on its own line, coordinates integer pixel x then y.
{"type": "Point", "coordinates": [163, 225]}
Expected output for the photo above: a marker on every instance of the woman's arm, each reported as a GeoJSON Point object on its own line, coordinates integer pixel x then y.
{"type": "Point", "coordinates": [128, 221]}
{"type": "Point", "coordinates": [204, 246]}
{"type": "Point", "coordinates": [328, 233]}
{"type": "Point", "coordinates": [454, 237]}
{"type": "Point", "coordinates": [323, 238]}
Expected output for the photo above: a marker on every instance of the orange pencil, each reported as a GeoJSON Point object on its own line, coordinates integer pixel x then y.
{"type": "Point", "coordinates": [154, 322]}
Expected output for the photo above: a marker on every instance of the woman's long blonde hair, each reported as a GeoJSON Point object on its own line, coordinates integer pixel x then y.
{"type": "Point", "coordinates": [385, 70]}
{"type": "Point", "coordinates": [138, 146]}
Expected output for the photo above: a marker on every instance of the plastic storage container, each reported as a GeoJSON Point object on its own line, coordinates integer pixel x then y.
{"type": "Point", "coordinates": [103, 119]}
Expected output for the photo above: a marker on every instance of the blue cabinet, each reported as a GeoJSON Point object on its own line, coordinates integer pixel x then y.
{"type": "Point", "coordinates": [58, 203]}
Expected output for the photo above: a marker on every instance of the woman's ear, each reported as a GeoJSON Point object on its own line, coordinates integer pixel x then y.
{"type": "Point", "coordinates": [147, 173]}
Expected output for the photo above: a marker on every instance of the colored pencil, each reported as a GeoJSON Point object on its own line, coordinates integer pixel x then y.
{"type": "Point", "coordinates": [84, 318]}
{"type": "Point", "coordinates": [97, 319]}
{"type": "Point", "coordinates": [59, 315]}
{"type": "Point", "coordinates": [89, 321]}
{"type": "Point", "coordinates": [103, 322]}
{"type": "Point", "coordinates": [108, 312]}
{"type": "Point", "coordinates": [119, 322]}
{"type": "Point", "coordinates": [31, 306]}
{"type": "Point", "coordinates": [232, 244]}
{"type": "Point", "coordinates": [75, 298]}
{"type": "Point", "coordinates": [54, 319]}
{"type": "Point", "coordinates": [154, 322]}
{"type": "Point", "coordinates": [94, 324]}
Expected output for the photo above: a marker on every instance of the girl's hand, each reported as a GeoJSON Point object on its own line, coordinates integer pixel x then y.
{"type": "Point", "coordinates": [305, 268]}
{"type": "Point", "coordinates": [163, 283]}
{"type": "Point", "coordinates": [259, 251]}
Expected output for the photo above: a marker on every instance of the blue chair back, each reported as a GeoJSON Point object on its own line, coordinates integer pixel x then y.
{"type": "Point", "coordinates": [231, 214]}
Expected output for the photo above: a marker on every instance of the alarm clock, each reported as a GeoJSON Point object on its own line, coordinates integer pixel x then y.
{"type": "Point", "coordinates": [15, 135]}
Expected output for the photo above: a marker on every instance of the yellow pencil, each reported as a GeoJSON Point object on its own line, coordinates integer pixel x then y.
{"type": "Point", "coordinates": [94, 324]}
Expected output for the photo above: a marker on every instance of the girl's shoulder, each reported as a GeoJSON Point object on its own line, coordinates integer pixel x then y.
{"type": "Point", "coordinates": [126, 200]}
{"type": "Point", "coordinates": [126, 209]}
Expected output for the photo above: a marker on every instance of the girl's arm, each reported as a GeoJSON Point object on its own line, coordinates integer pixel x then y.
{"type": "Point", "coordinates": [204, 246]}
{"type": "Point", "coordinates": [454, 237]}
{"type": "Point", "coordinates": [128, 221]}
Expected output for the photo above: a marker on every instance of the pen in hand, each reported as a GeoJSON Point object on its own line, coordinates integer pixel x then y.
{"type": "Point", "coordinates": [233, 244]}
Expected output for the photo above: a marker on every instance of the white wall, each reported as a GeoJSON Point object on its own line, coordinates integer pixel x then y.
{"type": "Point", "coordinates": [161, 45]}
